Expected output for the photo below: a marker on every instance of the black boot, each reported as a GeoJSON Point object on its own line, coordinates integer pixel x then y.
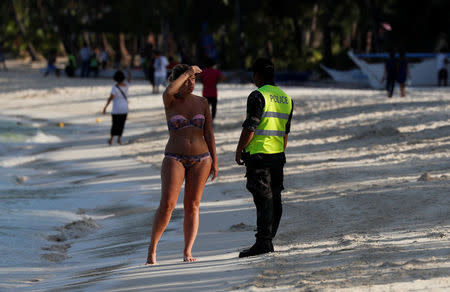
{"type": "Point", "coordinates": [257, 249]}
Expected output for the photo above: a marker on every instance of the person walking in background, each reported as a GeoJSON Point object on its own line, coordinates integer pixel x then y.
{"type": "Point", "coordinates": [117, 60]}
{"type": "Point", "coordinates": [85, 56]}
{"type": "Point", "coordinates": [190, 156]}
{"type": "Point", "coordinates": [261, 148]}
{"type": "Point", "coordinates": [402, 73]}
{"type": "Point", "coordinates": [441, 66]}
{"type": "Point", "coordinates": [93, 64]}
{"type": "Point", "coordinates": [390, 74]}
{"type": "Point", "coordinates": [150, 58]}
{"type": "Point", "coordinates": [171, 65]}
{"type": "Point", "coordinates": [104, 58]}
{"type": "Point", "coordinates": [71, 65]}
{"type": "Point", "coordinates": [159, 65]}
{"type": "Point", "coordinates": [119, 111]}
{"type": "Point", "coordinates": [2, 56]}
{"type": "Point", "coordinates": [210, 77]}
{"type": "Point", "coordinates": [51, 63]}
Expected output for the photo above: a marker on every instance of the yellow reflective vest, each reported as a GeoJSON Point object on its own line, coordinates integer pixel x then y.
{"type": "Point", "coordinates": [269, 135]}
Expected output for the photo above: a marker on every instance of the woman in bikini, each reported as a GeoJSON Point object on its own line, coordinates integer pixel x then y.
{"type": "Point", "coordinates": [190, 156]}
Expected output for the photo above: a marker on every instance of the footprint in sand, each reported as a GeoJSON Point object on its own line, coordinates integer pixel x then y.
{"type": "Point", "coordinates": [241, 227]}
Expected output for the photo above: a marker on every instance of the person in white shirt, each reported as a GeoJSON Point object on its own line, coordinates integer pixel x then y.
{"type": "Point", "coordinates": [441, 67]}
{"type": "Point", "coordinates": [119, 111]}
{"type": "Point", "coordinates": [160, 70]}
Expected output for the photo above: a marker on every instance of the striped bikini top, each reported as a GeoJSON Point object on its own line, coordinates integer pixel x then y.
{"type": "Point", "coordinates": [178, 122]}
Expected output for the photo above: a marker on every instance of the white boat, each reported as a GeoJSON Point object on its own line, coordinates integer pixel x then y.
{"type": "Point", "coordinates": [422, 73]}
{"type": "Point", "coordinates": [354, 76]}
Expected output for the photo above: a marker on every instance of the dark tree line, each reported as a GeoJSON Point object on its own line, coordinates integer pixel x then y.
{"type": "Point", "coordinates": [295, 34]}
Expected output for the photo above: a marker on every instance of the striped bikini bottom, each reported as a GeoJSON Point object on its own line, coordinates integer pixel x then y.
{"type": "Point", "coordinates": [187, 160]}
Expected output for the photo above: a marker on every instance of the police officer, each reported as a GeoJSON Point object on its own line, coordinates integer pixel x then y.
{"type": "Point", "coordinates": [261, 148]}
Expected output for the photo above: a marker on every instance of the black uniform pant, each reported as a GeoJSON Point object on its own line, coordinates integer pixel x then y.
{"type": "Point", "coordinates": [390, 84]}
{"type": "Point", "coordinates": [266, 185]}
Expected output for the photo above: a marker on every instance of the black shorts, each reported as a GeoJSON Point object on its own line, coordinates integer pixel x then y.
{"type": "Point", "coordinates": [118, 124]}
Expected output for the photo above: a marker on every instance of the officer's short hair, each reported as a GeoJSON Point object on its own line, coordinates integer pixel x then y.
{"type": "Point", "coordinates": [264, 67]}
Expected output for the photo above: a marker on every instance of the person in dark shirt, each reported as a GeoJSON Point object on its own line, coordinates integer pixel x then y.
{"type": "Point", "coordinates": [150, 60]}
{"type": "Point", "coordinates": [261, 148]}
{"type": "Point", "coordinates": [170, 66]}
{"type": "Point", "coordinates": [390, 74]}
{"type": "Point", "coordinates": [441, 66]}
{"type": "Point", "coordinates": [93, 64]}
{"type": "Point", "coordinates": [402, 73]}
{"type": "Point", "coordinates": [2, 57]}
{"type": "Point", "coordinates": [71, 65]}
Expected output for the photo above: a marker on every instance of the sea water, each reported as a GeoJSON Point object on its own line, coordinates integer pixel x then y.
{"type": "Point", "coordinates": [31, 206]}
{"type": "Point", "coordinates": [24, 216]}
{"type": "Point", "coordinates": [52, 223]}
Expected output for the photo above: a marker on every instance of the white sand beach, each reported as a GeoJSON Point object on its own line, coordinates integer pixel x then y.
{"type": "Point", "coordinates": [366, 200]}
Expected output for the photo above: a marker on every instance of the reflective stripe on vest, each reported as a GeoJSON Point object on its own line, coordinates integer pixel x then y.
{"type": "Point", "coordinates": [269, 135]}
{"type": "Point", "coordinates": [275, 115]}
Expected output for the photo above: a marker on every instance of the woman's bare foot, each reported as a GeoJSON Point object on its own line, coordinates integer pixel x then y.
{"type": "Point", "coordinates": [188, 258]}
{"type": "Point", "coordinates": [110, 141]}
{"type": "Point", "coordinates": [151, 259]}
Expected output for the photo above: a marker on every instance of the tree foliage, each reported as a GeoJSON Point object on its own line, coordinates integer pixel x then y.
{"type": "Point", "coordinates": [295, 34]}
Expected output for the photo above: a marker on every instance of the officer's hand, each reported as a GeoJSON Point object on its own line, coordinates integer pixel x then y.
{"type": "Point", "coordinates": [238, 157]}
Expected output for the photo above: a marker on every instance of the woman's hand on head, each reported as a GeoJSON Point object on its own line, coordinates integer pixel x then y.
{"type": "Point", "coordinates": [196, 69]}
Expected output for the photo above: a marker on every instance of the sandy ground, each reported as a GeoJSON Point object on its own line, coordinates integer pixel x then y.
{"type": "Point", "coordinates": [366, 204]}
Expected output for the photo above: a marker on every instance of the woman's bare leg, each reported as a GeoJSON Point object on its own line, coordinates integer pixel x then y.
{"type": "Point", "coordinates": [172, 176]}
{"type": "Point", "coordinates": [196, 178]}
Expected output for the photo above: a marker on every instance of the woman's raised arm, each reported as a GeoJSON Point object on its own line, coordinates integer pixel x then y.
{"type": "Point", "coordinates": [175, 85]}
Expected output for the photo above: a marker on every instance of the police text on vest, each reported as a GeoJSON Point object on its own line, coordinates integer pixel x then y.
{"type": "Point", "coordinates": [279, 99]}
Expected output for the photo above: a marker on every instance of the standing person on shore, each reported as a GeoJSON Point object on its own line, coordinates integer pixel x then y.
{"type": "Point", "coordinates": [150, 70]}
{"type": "Point", "coordinates": [51, 63]}
{"type": "Point", "coordinates": [210, 76]}
{"type": "Point", "coordinates": [390, 74]}
{"type": "Point", "coordinates": [93, 64]}
{"type": "Point", "coordinates": [441, 67]}
{"type": "Point", "coordinates": [190, 156]}
{"type": "Point", "coordinates": [261, 148]}
{"type": "Point", "coordinates": [2, 56]}
{"type": "Point", "coordinates": [104, 58]}
{"type": "Point", "coordinates": [119, 111]}
{"type": "Point", "coordinates": [85, 56]}
{"type": "Point", "coordinates": [71, 65]}
{"type": "Point", "coordinates": [160, 65]}
{"type": "Point", "coordinates": [402, 73]}
{"type": "Point", "coordinates": [171, 65]}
